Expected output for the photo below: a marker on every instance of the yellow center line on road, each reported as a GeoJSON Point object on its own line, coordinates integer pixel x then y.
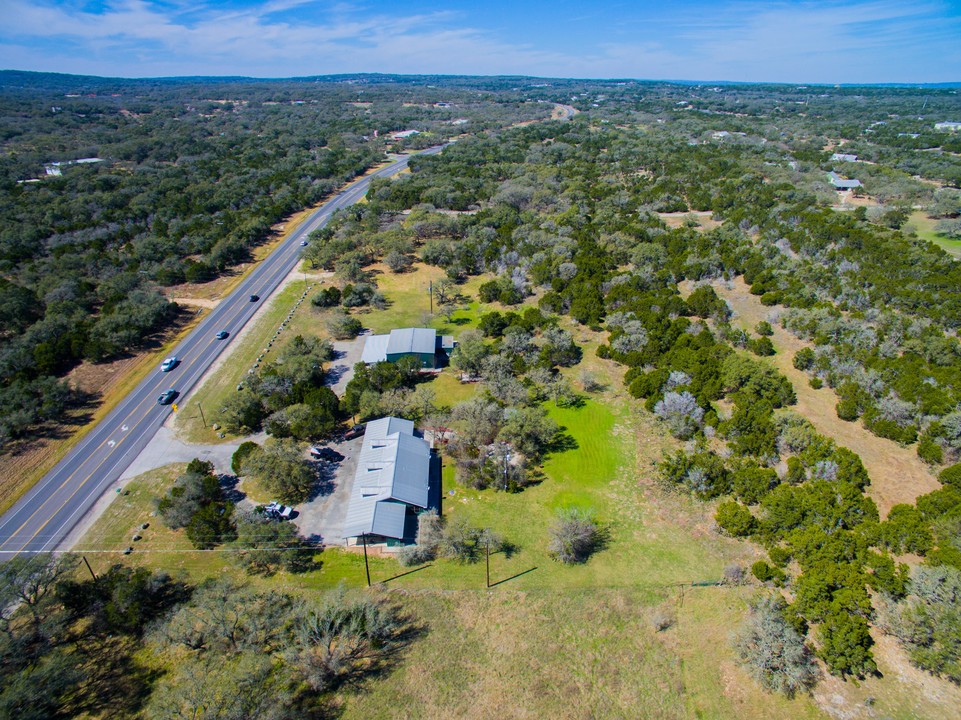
{"type": "Point", "coordinates": [241, 308]}
{"type": "Point", "coordinates": [126, 419]}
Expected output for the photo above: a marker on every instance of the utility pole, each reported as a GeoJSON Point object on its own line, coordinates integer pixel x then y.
{"type": "Point", "coordinates": [507, 459]}
{"type": "Point", "coordinates": [363, 537]}
{"type": "Point", "coordinates": [91, 569]}
{"type": "Point", "coordinates": [430, 289]}
{"type": "Point", "coordinates": [488, 560]}
{"type": "Point", "coordinates": [201, 408]}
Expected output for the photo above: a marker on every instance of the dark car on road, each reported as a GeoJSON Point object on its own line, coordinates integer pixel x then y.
{"type": "Point", "coordinates": [254, 298]}
{"type": "Point", "coordinates": [167, 397]}
{"type": "Point", "coordinates": [222, 335]}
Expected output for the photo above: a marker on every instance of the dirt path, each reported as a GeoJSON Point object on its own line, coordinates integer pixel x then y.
{"type": "Point", "coordinates": [897, 473]}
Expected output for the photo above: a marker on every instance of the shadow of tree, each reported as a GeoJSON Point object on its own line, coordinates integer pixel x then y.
{"type": "Point", "coordinates": [562, 442]}
{"type": "Point", "coordinates": [325, 472]}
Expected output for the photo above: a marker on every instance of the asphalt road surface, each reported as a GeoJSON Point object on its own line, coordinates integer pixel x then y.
{"type": "Point", "coordinates": [43, 517]}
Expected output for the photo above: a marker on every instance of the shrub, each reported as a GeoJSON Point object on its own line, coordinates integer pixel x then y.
{"type": "Point", "coordinates": [816, 383]}
{"type": "Point", "coordinates": [342, 326]}
{"type": "Point", "coordinates": [764, 329]}
{"type": "Point", "coordinates": [773, 651]}
{"type": "Point", "coordinates": [803, 359]}
{"type": "Point", "coordinates": [734, 574]}
{"type": "Point", "coordinates": [929, 450]}
{"type": "Point", "coordinates": [761, 346]}
{"type": "Point", "coordinates": [326, 297]}
{"type": "Point", "coordinates": [890, 430]}
{"type": "Point", "coordinates": [768, 573]}
{"type": "Point", "coordinates": [662, 619]}
{"type": "Point", "coordinates": [240, 454]}
{"type": "Point", "coordinates": [735, 519]}
{"type": "Point", "coordinates": [574, 536]}
{"type": "Point", "coordinates": [848, 409]}
{"type": "Point", "coordinates": [951, 475]}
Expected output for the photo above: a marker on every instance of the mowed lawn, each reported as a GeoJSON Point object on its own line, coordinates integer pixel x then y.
{"type": "Point", "coordinates": [924, 227]}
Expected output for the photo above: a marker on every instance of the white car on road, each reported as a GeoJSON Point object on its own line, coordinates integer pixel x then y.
{"type": "Point", "coordinates": [169, 364]}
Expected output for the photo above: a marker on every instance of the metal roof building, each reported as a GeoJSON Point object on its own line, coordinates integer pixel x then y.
{"type": "Point", "coordinates": [412, 340]}
{"type": "Point", "coordinates": [391, 482]}
{"type": "Point", "coordinates": [840, 183]}
{"type": "Point", "coordinates": [420, 343]}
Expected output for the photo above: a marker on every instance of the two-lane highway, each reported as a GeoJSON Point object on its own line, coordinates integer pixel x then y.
{"type": "Point", "coordinates": [43, 517]}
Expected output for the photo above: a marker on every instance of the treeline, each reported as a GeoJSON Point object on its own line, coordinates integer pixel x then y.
{"type": "Point", "coordinates": [138, 643]}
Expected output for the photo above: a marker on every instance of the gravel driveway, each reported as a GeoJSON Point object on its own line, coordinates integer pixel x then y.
{"type": "Point", "coordinates": [322, 519]}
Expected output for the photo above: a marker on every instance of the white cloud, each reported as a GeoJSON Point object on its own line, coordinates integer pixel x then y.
{"type": "Point", "coordinates": [809, 42]}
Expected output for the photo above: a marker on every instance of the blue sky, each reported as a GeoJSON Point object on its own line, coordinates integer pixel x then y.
{"type": "Point", "coordinates": [867, 41]}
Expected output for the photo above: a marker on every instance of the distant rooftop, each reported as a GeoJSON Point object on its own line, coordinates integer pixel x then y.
{"type": "Point", "coordinates": [841, 184]}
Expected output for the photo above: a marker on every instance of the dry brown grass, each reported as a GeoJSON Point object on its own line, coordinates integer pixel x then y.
{"type": "Point", "coordinates": [897, 473]}
{"type": "Point", "coordinates": [902, 691]}
{"type": "Point", "coordinates": [677, 219]}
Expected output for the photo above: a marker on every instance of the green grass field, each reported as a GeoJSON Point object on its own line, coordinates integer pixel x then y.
{"type": "Point", "coordinates": [924, 227]}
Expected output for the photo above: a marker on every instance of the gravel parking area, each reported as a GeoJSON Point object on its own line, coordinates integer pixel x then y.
{"type": "Point", "coordinates": [322, 519]}
{"type": "Point", "coordinates": [347, 354]}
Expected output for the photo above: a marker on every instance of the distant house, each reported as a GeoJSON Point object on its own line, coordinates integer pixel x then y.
{"type": "Point", "coordinates": [430, 349]}
{"type": "Point", "coordinates": [950, 126]}
{"type": "Point", "coordinates": [404, 134]}
{"type": "Point", "coordinates": [55, 169]}
{"type": "Point", "coordinates": [396, 478]}
{"type": "Point", "coordinates": [844, 157]}
{"type": "Point", "coordinates": [840, 183]}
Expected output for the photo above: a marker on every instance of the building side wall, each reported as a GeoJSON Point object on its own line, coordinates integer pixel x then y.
{"type": "Point", "coordinates": [426, 360]}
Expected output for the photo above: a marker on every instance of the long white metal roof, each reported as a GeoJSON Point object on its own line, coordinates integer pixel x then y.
{"type": "Point", "coordinates": [393, 471]}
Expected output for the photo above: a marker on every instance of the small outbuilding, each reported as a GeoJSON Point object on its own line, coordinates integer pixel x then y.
{"type": "Point", "coordinates": [430, 349]}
